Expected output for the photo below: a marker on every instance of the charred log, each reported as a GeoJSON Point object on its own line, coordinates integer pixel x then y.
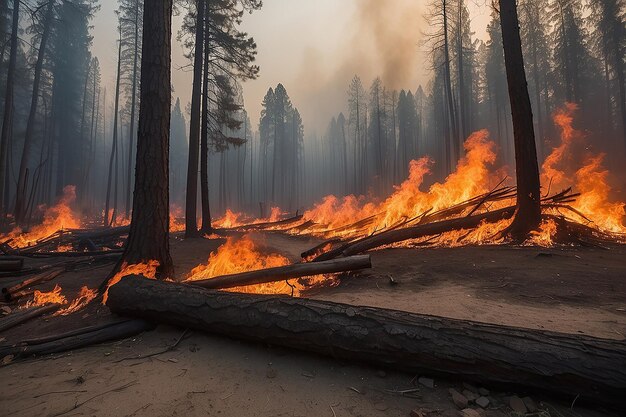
{"type": "Point", "coordinates": [572, 365]}
{"type": "Point", "coordinates": [23, 316]}
{"type": "Point", "coordinates": [282, 273]}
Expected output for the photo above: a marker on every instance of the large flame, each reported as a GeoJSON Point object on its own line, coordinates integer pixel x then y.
{"type": "Point", "coordinates": [474, 175]}
{"type": "Point", "coordinates": [571, 164]}
{"type": "Point", "coordinates": [55, 218]}
{"type": "Point", "coordinates": [146, 269]}
{"type": "Point", "coordinates": [243, 255]}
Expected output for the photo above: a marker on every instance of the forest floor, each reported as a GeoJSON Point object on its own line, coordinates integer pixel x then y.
{"type": "Point", "coordinates": [574, 290]}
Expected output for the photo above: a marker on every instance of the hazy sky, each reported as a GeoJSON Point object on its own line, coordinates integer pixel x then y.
{"type": "Point", "coordinates": [313, 47]}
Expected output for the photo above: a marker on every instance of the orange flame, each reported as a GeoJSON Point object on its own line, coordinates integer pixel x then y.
{"type": "Point", "coordinates": [177, 222]}
{"type": "Point", "coordinates": [55, 218]}
{"type": "Point", "coordinates": [146, 269]}
{"type": "Point", "coordinates": [473, 176]}
{"type": "Point", "coordinates": [84, 297]}
{"type": "Point", "coordinates": [43, 298]}
{"type": "Point", "coordinates": [572, 165]}
{"type": "Point", "coordinates": [242, 255]}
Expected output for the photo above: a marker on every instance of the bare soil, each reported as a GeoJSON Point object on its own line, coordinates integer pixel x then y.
{"type": "Point", "coordinates": [574, 290]}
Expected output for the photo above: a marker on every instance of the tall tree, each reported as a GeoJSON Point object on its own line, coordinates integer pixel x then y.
{"type": "Point", "coordinates": [7, 123]}
{"type": "Point", "coordinates": [148, 239]}
{"type": "Point", "coordinates": [528, 213]}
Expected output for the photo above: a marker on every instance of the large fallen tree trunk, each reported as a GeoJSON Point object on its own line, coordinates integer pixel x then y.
{"type": "Point", "coordinates": [573, 365]}
{"type": "Point", "coordinates": [281, 273]}
{"type": "Point", "coordinates": [428, 229]}
{"type": "Point", "coordinates": [11, 264]}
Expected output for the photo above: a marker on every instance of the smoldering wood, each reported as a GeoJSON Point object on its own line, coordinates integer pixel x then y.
{"type": "Point", "coordinates": [267, 225]}
{"type": "Point", "coordinates": [10, 292]}
{"type": "Point", "coordinates": [20, 317]}
{"type": "Point", "coordinates": [572, 365]}
{"type": "Point", "coordinates": [79, 338]}
{"type": "Point", "coordinates": [428, 229]}
{"type": "Point", "coordinates": [282, 273]}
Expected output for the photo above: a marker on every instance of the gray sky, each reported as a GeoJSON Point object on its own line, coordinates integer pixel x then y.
{"type": "Point", "coordinates": [314, 47]}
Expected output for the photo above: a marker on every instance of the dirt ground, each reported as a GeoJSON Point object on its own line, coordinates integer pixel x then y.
{"type": "Point", "coordinates": [575, 290]}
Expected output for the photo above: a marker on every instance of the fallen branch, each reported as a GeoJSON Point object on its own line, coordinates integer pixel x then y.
{"type": "Point", "coordinates": [10, 293]}
{"type": "Point", "coordinates": [20, 317]}
{"type": "Point", "coordinates": [566, 364]}
{"type": "Point", "coordinates": [428, 229]}
{"type": "Point", "coordinates": [11, 264]}
{"type": "Point", "coordinates": [282, 273]}
{"type": "Point", "coordinates": [116, 331]}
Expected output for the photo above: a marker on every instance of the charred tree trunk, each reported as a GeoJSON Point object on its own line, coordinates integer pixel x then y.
{"type": "Point", "coordinates": [191, 203]}
{"type": "Point", "coordinates": [21, 192]}
{"type": "Point", "coordinates": [113, 160]}
{"type": "Point", "coordinates": [204, 136]}
{"type": "Point", "coordinates": [450, 100]}
{"type": "Point", "coordinates": [528, 214]}
{"type": "Point", "coordinates": [7, 121]}
{"type": "Point", "coordinates": [148, 238]}
{"type": "Point", "coordinates": [566, 364]}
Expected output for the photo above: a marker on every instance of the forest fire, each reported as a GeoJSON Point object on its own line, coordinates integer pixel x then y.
{"type": "Point", "coordinates": [84, 297]}
{"type": "Point", "coordinates": [243, 255]}
{"type": "Point", "coordinates": [55, 218]}
{"type": "Point", "coordinates": [51, 297]}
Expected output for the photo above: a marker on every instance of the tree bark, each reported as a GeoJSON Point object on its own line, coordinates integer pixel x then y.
{"type": "Point", "coordinates": [133, 104]}
{"type": "Point", "coordinates": [528, 214]}
{"type": "Point", "coordinates": [20, 200]}
{"type": "Point", "coordinates": [7, 123]}
{"type": "Point", "coordinates": [148, 238]}
{"type": "Point", "coordinates": [282, 273]}
{"type": "Point", "coordinates": [191, 201]}
{"type": "Point", "coordinates": [566, 364]}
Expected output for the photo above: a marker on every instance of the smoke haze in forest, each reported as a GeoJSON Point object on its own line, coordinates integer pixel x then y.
{"type": "Point", "coordinates": [314, 48]}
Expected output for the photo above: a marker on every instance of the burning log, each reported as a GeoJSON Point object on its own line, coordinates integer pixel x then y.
{"type": "Point", "coordinates": [428, 229]}
{"type": "Point", "coordinates": [565, 364]}
{"type": "Point", "coordinates": [77, 338]}
{"type": "Point", "coordinates": [267, 225]}
{"type": "Point", "coordinates": [11, 293]}
{"type": "Point", "coordinates": [285, 272]}
{"type": "Point", "coordinates": [11, 264]}
{"type": "Point", "coordinates": [23, 316]}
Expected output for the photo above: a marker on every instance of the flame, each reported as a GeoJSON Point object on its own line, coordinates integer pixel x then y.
{"type": "Point", "coordinates": [146, 269]}
{"type": "Point", "coordinates": [55, 218]}
{"type": "Point", "coordinates": [571, 164]}
{"type": "Point", "coordinates": [544, 236]}
{"type": "Point", "coordinates": [84, 297]}
{"type": "Point", "coordinates": [229, 220]}
{"type": "Point", "coordinates": [43, 298]}
{"type": "Point", "coordinates": [474, 176]}
{"type": "Point", "coordinates": [177, 219]}
{"type": "Point", "coordinates": [243, 255]}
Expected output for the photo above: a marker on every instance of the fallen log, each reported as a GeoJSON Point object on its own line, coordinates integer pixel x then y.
{"type": "Point", "coordinates": [20, 317]}
{"type": "Point", "coordinates": [37, 279]}
{"type": "Point", "coordinates": [265, 225]}
{"type": "Point", "coordinates": [282, 273]}
{"type": "Point", "coordinates": [11, 264]}
{"type": "Point", "coordinates": [568, 364]}
{"type": "Point", "coordinates": [428, 229]}
{"type": "Point", "coordinates": [116, 331]}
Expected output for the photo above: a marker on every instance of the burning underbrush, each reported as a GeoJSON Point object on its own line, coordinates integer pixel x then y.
{"type": "Point", "coordinates": [239, 255]}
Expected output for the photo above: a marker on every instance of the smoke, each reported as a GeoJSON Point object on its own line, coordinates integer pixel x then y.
{"type": "Point", "coordinates": [381, 39]}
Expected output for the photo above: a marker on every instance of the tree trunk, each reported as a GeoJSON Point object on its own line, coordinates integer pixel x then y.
{"type": "Point", "coordinates": [451, 108]}
{"type": "Point", "coordinates": [566, 364]}
{"type": "Point", "coordinates": [204, 135]}
{"type": "Point", "coordinates": [528, 214]}
{"type": "Point", "coordinates": [20, 200]}
{"type": "Point", "coordinates": [133, 104]}
{"type": "Point", "coordinates": [7, 123]}
{"type": "Point", "coordinates": [282, 273]}
{"type": "Point", "coordinates": [112, 160]}
{"type": "Point", "coordinates": [191, 203]}
{"type": "Point", "coordinates": [148, 238]}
